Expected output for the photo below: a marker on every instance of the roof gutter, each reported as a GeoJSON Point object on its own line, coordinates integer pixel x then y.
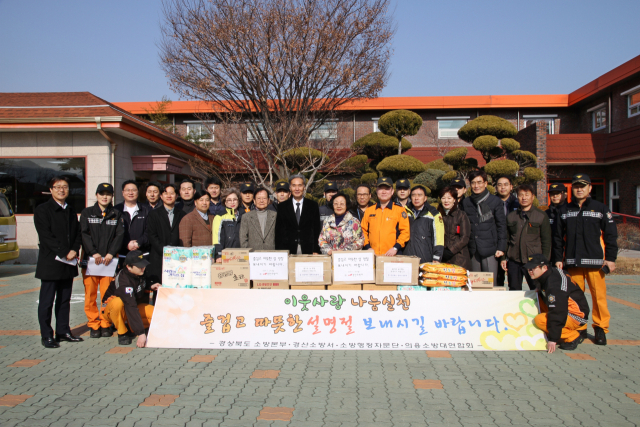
{"type": "Point", "coordinates": [112, 152]}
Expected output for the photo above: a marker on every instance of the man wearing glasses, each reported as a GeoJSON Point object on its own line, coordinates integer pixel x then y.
{"type": "Point", "coordinates": [134, 215]}
{"type": "Point", "coordinates": [363, 201]}
{"type": "Point", "coordinates": [59, 236]}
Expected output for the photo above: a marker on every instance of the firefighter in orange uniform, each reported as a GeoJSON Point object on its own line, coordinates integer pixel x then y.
{"type": "Point", "coordinates": [385, 224]}
{"type": "Point", "coordinates": [587, 237]}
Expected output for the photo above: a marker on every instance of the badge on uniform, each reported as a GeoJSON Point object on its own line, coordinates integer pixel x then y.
{"type": "Point", "coordinates": [129, 291]}
{"type": "Point", "coordinates": [404, 215]}
{"type": "Point", "coordinates": [552, 299]}
{"type": "Point", "coordinates": [609, 215]}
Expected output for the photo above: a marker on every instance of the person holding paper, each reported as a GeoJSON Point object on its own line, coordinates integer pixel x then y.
{"type": "Point", "coordinates": [386, 224]}
{"type": "Point", "coordinates": [258, 227]}
{"type": "Point", "coordinates": [341, 231]}
{"type": "Point", "coordinates": [298, 221]}
{"type": "Point", "coordinates": [102, 233]}
{"type": "Point", "coordinates": [425, 226]}
{"type": "Point", "coordinates": [134, 215]}
{"type": "Point", "coordinates": [195, 227]}
{"type": "Point", "coordinates": [59, 243]}
{"type": "Point", "coordinates": [226, 228]}
{"type": "Point", "coordinates": [126, 304]}
{"type": "Point", "coordinates": [163, 229]}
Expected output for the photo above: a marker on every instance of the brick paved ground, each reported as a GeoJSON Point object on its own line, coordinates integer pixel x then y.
{"type": "Point", "coordinates": [89, 384]}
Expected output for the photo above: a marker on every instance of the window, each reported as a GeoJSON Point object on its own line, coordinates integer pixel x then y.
{"type": "Point", "coordinates": [449, 128]}
{"type": "Point", "coordinates": [254, 130]}
{"type": "Point", "coordinates": [327, 130]}
{"type": "Point", "coordinates": [26, 181]}
{"type": "Point", "coordinates": [200, 131]}
{"type": "Point", "coordinates": [549, 123]}
{"type": "Point", "coordinates": [375, 124]}
{"type": "Point", "coordinates": [634, 103]}
{"type": "Point", "coordinates": [614, 195]}
{"type": "Point", "coordinates": [599, 119]}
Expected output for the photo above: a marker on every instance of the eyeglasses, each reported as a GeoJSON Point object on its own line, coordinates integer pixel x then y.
{"type": "Point", "coordinates": [61, 187]}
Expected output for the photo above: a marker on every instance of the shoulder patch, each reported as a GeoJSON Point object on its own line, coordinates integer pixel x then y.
{"type": "Point", "coordinates": [609, 215]}
{"type": "Point", "coordinates": [404, 215]}
{"type": "Point", "coordinates": [129, 291]}
{"type": "Point", "coordinates": [552, 298]}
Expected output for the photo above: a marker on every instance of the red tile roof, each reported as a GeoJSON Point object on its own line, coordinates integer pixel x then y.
{"type": "Point", "coordinates": [594, 148]}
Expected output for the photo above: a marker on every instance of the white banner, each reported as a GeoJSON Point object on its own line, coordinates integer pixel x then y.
{"type": "Point", "coordinates": [345, 320]}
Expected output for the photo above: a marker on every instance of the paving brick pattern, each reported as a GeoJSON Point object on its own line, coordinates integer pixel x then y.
{"type": "Point", "coordinates": [427, 384]}
{"type": "Point", "coordinates": [266, 373]}
{"type": "Point", "coordinates": [120, 350]}
{"type": "Point", "coordinates": [580, 356]}
{"type": "Point", "coordinates": [26, 363]}
{"type": "Point", "coordinates": [79, 385]}
{"type": "Point", "coordinates": [276, 414]}
{"type": "Point", "coordinates": [160, 400]}
{"type": "Point", "coordinates": [203, 358]}
{"type": "Point", "coordinates": [438, 354]}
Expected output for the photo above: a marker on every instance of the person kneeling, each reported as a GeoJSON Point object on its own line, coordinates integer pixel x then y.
{"type": "Point", "coordinates": [563, 304]}
{"type": "Point", "coordinates": [127, 303]}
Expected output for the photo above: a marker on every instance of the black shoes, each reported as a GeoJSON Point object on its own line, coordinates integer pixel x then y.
{"type": "Point", "coordinates": [95, 333]}
{"type": "Point", "coordinates": [106, 332]}
{"type": "Point", "coordinates": [124, 340]}
{"type": "Point", "coordinates": [584, 335]}
{"type": "Point", "coordinates": [601, 337]}
{"type": "Point", "coordinates": [569, 346]}
{"type": "Point", "coordinates": [68, 337]}
{"type": "Point", "coordinates": [50, 343]}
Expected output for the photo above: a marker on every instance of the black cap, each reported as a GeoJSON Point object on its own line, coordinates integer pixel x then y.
{"type": "Point", "coordinates": [403, 183]}
{"type": "Point", "coordinates": [136, 259]}
{"type": "Point", "coordinates": [282, 186]}
{"type": "Point", "coordinates": [247, 188]}
{"type": "Point", "coordinates": [384, 181]}
{"type": "Point", "coordinates": [330, 186]}
{"type": "Point", "coordinates": [581, 179]}
{"type": "Point", "coordinates": [105, 187]}
{"type": "Point", "coordinates": [536, 260]}
{"type": "Point", "coordinates": [458, 182]}
{"type": "Point", "coordinates": [556, 186]}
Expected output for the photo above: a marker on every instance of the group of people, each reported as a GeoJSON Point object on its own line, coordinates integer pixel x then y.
{"type": "Point", "coordinates": [502, 234]}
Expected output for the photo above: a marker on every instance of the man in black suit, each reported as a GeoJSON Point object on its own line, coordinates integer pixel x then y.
{"type": "Point", "coordinates": [298, 221]}
{"type": "Point", "coordinates": [59, 236]}
{"type": "Point", "coordinates": [163, 229]}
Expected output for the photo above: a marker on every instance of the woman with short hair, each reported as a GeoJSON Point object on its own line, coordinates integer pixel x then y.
{"type": "Point", "coordinates": [226, 228]}
{"type": "Point", "coordinates": [457, 229]}
{"type": "Point", "coordinates": [341, 231]}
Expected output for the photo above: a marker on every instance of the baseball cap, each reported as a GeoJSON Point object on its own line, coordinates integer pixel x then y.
{"type": "Point", "coordinates": [330, 186]}
{"type": "Point", "coordinates": [136, 259]}
{"type": "Point", "coordinates": [458, 182]}
{"type": "Point", "coordinates": [581, 179]}
{"type": "Point", "coordinates": [105, 187]}
{"type": "Point", "coordinates": [403, 183]}
{"type": "Point", "coordinates": [537, 260]}
{"type": "Point", "coordinates": [282, 186]}
{"type": "Point", "coordinates": [556, 186]}
{"type": "Point", "coordinates": [247, 188]}
{"type": "Point", "coordinates": [384, 181]}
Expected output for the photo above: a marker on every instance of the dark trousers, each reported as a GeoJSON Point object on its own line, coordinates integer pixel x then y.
{"type": "Point", "coordinates": [60, 291]}
{"type": "Point", "coordinates": [501, 276]}
{"type": "Point", "coordinates": [516, 272]}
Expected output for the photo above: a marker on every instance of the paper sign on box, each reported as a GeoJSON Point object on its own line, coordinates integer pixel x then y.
{"type": "Point", "coordinates": [399, 270]}
{"type": "Point", "coordinates": [269, 265]}
{"type": "Point", "coordinates": [481, 280]}
{"type": "Point", "coordinates": [353, 267]}
{"type": "Point", "coordinates": [309, 270]}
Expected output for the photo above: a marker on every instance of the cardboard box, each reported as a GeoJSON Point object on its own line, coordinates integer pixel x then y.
{"type": "Point", "coordinates": [480, 280]}
{"type": "Point", "coordinates": [309, 270]}
{"type": "Point", "coordinates": [379, 288]}
{"type": "Point", "coordinates": [353, 267]}
{"type": "Point", "coordinates": [270, 284]}
{"type": "Point", "coordinates": [399, 270]}
{"type": "Point", "coordinates": [495, 288]}
{"type": "Point", "coordinates": [268, 266]}
{"type": "Point", "coordinates": [308, 287]}
{"type": "Point", "coordinates": [230, 276]}
{"type": "Point", "coordinates": [344, 287]}
{"type": "Point", "coordinates": [236, 256]}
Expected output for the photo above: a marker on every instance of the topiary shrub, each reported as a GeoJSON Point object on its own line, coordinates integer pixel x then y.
{"type": "Point", "coordinates": [356, 162]}
{"type": "Point", "coordinates": [398, 124]}
{"type": "Point", "coordinates": [501, 167]}
{"type": "Point", "coordinates": [369, 178]}
{"type": "Point", "coordinates": [456, 157]}
{"type": "Point", "coordinates": [509, 145]}
{"type": "Point", "coordinates": [439, 165]}
{"type": "Point", "coordinates": [302, 155]}
{"type": "Point", "coordinates": [533, 174]}
{"type": "Point", "coordinates": [487, 125]}
{"type": "Point", "coordinates": [431, 178]}
{"type": "Point", "coordinates": [376, 146]}
{"type": "Point", "coordinates": [400, 166]}
{"type": "Point", "coordinates": [449, 176]}
{"type": "Point", "coordinates": [485, 143]}
{"type": "Point", "coordinates": [351, 193]}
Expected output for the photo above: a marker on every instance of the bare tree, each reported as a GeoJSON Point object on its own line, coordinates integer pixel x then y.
{"type": "Point", "coordinates": [276, 73]}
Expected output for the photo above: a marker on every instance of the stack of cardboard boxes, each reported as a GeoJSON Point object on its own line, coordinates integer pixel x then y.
{"type": "Point", "coordinates": [483, 282]}
{"type": "Point", "coordinates": [233, 272]}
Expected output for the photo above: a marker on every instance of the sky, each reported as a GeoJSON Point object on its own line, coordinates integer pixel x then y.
{"type": "Point", "coordinates": [452, 47]}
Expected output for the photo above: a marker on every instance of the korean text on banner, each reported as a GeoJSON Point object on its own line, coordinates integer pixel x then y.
{"type": "Point", "coordinates": [345, 320]}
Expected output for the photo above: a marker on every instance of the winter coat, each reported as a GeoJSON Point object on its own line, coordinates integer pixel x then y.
{"type": "Point", "coordinates": [290, 233]}
{"type": "Point", "coordinates": [187, 206]}
{"type": "Point", "coordinates": [488, 225]}
{"type": "Point", "coordinates": [58, 234]}
{"type": "Point", "coordinates": [552, 213]}
{"type": "Point", "coordinates": [161, 233]}
{"type": "Point", "coordinates": [528, 233]}
{"type": "Point", "coordinates": [325, 212]}
{"type": "Point", "coordinates": [510, 205]}
{"type": "Point", "coordinates": [101, 234]}
{"type": "Point", "coordinates": [427, 234]}
{"type": "Point", "coordinates": [194, 230]}
{"type": "Point", "coordinates": [457, 231]}
{"type": "Point", "coordinates": [217, 208]}
{"type": "Point", "coordinates": [134, 228]}
{"type": "Point", "coordinates": [226, 232]}
{"type": "Point", "coordinates": [251, 233]}
{"type": "Point", "coordinates": [346, 236]}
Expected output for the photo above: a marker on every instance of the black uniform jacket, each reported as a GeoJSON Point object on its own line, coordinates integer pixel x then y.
{"type": "Point", "coordinates": [134, 229]}
{"type": "Point", "coordinates": [488, 225]}
{"type": "Point", "coordinates": [101, 234]}
{"type": "Point", "coordinates": [552, 213]}
{"type": "Point", "coordinates": [131, 290]}
{"type": "Point", "coordinates": [563, 298]}
{"type": "Point", "coordinates": [58, 234]}
{"type": "Point", "coordinates": [290, 234]}
{"type": "Point", "coordinates": [591, 235]}
{"type": "Point", "coordinates": [161, 233]}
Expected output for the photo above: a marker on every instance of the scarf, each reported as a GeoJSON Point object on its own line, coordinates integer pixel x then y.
{"type": "Point", "coordinates": [339, 219]}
